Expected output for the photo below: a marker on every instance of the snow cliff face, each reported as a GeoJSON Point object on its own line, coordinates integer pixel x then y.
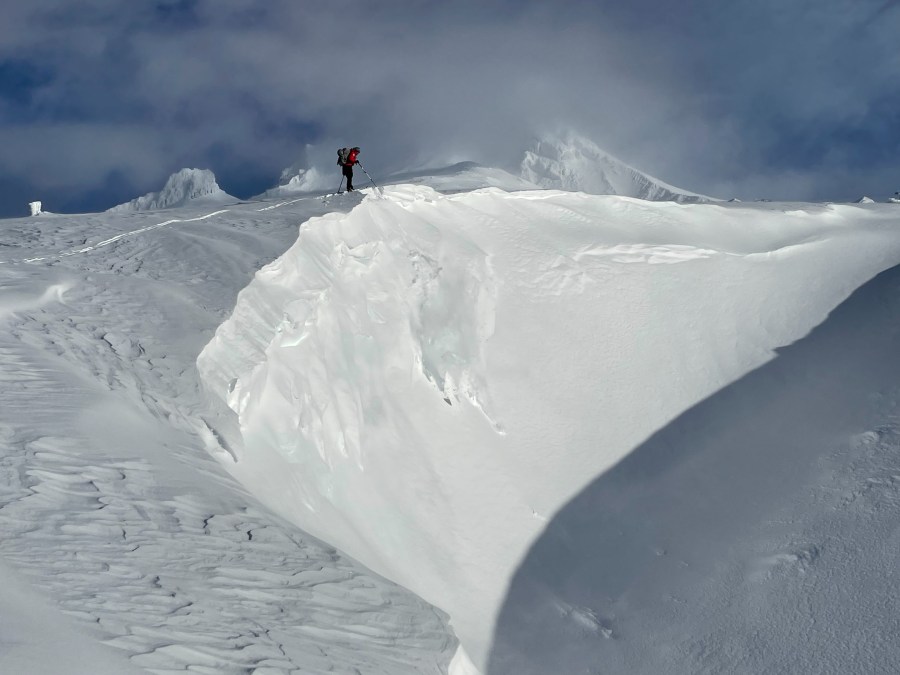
{"type": "Point", "coordinates": [182, 188]}
{"type": "Point", "coordinates": [574, 163]}
{"type": "Point", "coordinates": [425, 381]}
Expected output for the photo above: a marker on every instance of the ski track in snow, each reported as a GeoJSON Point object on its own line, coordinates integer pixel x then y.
{"type": "Point", "coordinates": [112, 240]}
{"type": "Point", "coordinates": [109, 499]}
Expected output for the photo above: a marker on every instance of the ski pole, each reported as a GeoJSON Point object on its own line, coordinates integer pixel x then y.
{"type": "Point", "coordinates": [367, 173]}
{"type": "Point", "coordinates": [341, 185]}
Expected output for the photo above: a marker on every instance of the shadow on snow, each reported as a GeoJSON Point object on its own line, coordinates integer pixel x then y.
{"type": "Point", "coordinates": [743, 536]}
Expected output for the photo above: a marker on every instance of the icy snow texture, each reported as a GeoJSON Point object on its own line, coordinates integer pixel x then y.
{"type": "Point", "coordinates": [427, 380]}
{"type": "Point", "coordinates": [126, 546]}
{"type": "Point", "coordinates": [35, 208]}
{"type": "Point", "coordinates": [489, 353]}
{"type": "Point", "coordinates": [571, 162]}
{"type": "Point", "coordinates": [188, 186]}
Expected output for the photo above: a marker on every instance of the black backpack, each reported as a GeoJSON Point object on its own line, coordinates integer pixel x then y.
{"type": "Point", "coordinates": [343, 156]}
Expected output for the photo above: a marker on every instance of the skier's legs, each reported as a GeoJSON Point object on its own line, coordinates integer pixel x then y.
{"type": "Point", "coordinates": [348, 174]}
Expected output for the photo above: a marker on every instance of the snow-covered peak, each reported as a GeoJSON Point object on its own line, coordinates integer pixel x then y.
{"type": "Point", "coordinates": [572, 162]}
{"type": "Point", "coordinates": [183, 187]}
{"type": "Point", "coordinates": [865, 200]}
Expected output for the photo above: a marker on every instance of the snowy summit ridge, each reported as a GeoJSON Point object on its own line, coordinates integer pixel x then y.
{"type": "Point", "coordinates": [572, 162]}
{"type": "Point", "coordinates": [182, 187]}
{"type": "Point", "coordinates": [566, 161]}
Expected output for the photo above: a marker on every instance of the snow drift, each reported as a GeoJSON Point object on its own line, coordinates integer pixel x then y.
{"type": "Point", "coordinates": [188, 186]}
{"type": "Point", "coordinates": [571, 162]}
{"type": "Point", "coordinates": [112, 509]}
{"type": "Point", "coordinates": [462, 176]}
{"type": "Point", "coordinates": [755, 533]}
{"type": "Point", "coordinates": [427, 380]}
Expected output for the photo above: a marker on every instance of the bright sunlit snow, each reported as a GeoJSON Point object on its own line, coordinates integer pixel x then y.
{"type": "Point", "coordinates": [590, 432]}
{"type": "Point", "coordinates": [571, 162]}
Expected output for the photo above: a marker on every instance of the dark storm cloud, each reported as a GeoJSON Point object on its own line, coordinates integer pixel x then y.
{"type": "Point", "coordinates": [760, 98]}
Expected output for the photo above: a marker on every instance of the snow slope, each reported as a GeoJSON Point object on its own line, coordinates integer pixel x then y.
{"type": "Point", "coordinates": [184, 187]}
{"type": "Point", "coordinates": [127, 547]}
{"type": "Point", "coordinates": [428, 381]}
{"type": "Point", "coordinates": [755, 533]}
{"type": "Point", "coordinates": [597, 431]}
{"type": "Point", "coordinates": [460, 177]}
{"type": "Point", "coordinates": [571, 162]}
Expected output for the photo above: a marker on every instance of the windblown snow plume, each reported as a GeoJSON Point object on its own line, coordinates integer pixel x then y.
{"type": "Point", "coordinates": [302, 176]}
{"type": "Point", "coordinates": [188, 186]}
{"type": "Point", "coordinates": [299, 179]}
{"type": "Point", "coordinates": [426, 381]}
{"type": "Point", "coordinates": [571, 162]}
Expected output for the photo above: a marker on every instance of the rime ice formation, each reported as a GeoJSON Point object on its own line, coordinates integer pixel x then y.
{"type": "Point", "coordinates": [570, 162]}
{"type": "Point", "coordinates": [188, 186]}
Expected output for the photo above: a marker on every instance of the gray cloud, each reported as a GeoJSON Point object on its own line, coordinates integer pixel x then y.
{"type": "Point", "coordinates": [750, 98]}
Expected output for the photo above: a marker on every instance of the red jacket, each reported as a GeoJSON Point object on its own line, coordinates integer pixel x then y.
{"type": "Point", "coordinates": [351, 158]}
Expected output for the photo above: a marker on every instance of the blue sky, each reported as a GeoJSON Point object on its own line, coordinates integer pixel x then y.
{"type": "Point", "coordinates": [101, 100]}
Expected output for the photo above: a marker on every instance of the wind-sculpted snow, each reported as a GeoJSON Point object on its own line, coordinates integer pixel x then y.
{"type": "Point", "coordinates": [756, 533]}
{"type": "Point", "coordinates": [197, 186]}
{"type": "Point", "coordinates": [127, 547]}
{"type": "Point", "coordinates": [574, 163]}
{"type": "Point", "coordinates": [427, 380]}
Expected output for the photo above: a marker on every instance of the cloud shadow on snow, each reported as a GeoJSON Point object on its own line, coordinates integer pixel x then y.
{"type": "Point", "coordinates": [735, 536]}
